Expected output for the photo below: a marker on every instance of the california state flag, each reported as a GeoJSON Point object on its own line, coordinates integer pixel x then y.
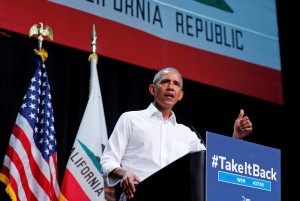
{"type": "Point", "coordinates": [83, 179]}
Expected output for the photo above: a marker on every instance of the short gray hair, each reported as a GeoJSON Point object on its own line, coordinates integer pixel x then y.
{"type": "Point", "coordinates": [160, 73]}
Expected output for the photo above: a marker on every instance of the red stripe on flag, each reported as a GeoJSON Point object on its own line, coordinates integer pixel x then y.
{"type": "Point", "coordinates": [54, 178]}
{"type": "Point", "coordinates": [36, 171]}
{"type": "Point", "coordinates": [70, 185]}
{"type": "Point", "coordinates": [15, 159]}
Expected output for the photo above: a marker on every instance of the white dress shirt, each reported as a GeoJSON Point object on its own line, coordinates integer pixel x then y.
{"type": "Point", "coordinates": [143, 142]}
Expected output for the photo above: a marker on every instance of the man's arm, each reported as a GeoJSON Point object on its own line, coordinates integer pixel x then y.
{"type": "Point", "coordinates": [128, 179]}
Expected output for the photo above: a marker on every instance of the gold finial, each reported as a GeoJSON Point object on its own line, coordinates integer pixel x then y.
{"type": "Point", "coordinates": [41, 31]}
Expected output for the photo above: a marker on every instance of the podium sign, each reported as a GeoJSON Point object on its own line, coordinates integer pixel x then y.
{"type": "Point", "coordinates": [238, 170]}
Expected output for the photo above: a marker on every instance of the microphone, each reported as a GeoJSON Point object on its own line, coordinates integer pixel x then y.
{"type": "Point", "coordinates": [198, 134]}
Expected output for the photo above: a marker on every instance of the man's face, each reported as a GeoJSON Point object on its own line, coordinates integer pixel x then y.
{"type": "Point", "coordinates": [168, 90]}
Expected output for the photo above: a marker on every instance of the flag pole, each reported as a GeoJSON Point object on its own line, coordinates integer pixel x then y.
{"type": "Point", "coordinates": [88, 145]}
{"type": "Point", "coordinates": [93, 44]}
{"type": "Point", "coordinates": [94, 38]}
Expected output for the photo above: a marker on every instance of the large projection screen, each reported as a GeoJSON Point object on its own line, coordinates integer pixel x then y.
{"type": "Point", "coordinates": [229, 44]}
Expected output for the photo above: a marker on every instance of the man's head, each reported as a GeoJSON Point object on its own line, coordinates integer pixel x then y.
{"type": "Point", "coordinates": [167, 88]}
{"type": "Point", "coordinates": [160, 73]}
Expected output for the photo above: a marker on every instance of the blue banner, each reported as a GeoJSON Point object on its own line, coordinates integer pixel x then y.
{"type": "Point", "coordinates": [238, 170]}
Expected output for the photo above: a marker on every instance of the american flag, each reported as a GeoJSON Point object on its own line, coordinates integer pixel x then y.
{"type": "Point", "coordinates": [30, 165]}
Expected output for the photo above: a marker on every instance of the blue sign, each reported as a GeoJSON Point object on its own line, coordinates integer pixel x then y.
{"type": "Point", "coordinates": [237, 170]}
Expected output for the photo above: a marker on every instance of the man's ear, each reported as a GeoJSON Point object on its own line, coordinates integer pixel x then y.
{"type": "Point", "coordinates": [152, 89]}
{"type": "Point", "coordinates": [180, 95]}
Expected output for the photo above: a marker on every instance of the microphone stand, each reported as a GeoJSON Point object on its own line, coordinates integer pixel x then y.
{"type": "Point", "coordinates": [198, 134]}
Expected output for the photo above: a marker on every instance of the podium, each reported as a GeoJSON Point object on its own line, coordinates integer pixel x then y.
{"type": "Point", "coordinates": [184, 179]}
{"type": "Point", "coordinates": [229, 169]}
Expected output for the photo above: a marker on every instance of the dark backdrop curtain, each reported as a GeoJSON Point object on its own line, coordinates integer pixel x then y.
{"type": "Point", "coordinates": [124, 87]}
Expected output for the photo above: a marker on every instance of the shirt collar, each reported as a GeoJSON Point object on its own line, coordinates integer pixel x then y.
{"type": "Point", "coordinates": [152, 111]}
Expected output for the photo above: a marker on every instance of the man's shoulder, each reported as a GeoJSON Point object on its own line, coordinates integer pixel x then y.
{"type": "Point", "coordinates": [133, 113]}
